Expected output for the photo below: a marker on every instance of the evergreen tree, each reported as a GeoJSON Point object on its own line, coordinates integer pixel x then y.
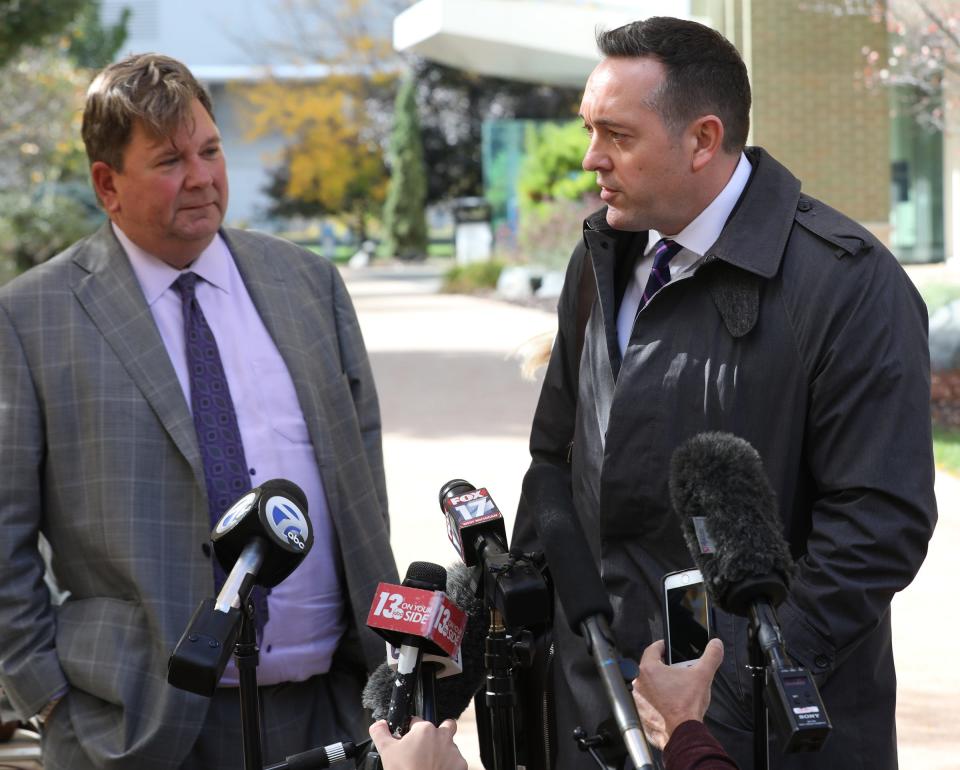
{"type": "Point", "coordinates": [404, 215]}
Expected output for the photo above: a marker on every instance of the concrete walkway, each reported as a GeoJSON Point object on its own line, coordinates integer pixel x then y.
{"type": "Point", "coordinates": [454, 405]}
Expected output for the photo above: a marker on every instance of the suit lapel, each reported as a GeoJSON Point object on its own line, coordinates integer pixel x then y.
{"type": "Point", "coordinates": [112, 297]}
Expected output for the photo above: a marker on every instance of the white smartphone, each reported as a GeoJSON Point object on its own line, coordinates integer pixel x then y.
{"type": "Point", "coordinates": [686, 616]}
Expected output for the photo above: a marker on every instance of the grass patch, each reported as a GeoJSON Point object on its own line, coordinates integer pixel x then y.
{"type": "Point", "coordinates": [946, 449]}
{"type": "Point", "coordinates": [936, 295]}
{"type": "Point", "coordinates": [466, 279]}
{"type": "Point", "coordinates": [341, 253]}
{"type": "Point", "coordinates": [440, 249]}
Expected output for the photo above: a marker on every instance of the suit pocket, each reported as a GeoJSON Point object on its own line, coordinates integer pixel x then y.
{"type": "Point", "coordinates": [103, 646]}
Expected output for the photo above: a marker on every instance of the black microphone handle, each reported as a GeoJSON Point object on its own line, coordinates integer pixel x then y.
{"type": "Point", "coordinates": [769, 636]}
{"type": "Point", "coordinates": [320, 757]}
{"type": "Point", "coordinates": [607, 659]}
{"type": "Point", "coordinates": [428, 692]}
{"type": "Point", "coordinates": [401, 697]}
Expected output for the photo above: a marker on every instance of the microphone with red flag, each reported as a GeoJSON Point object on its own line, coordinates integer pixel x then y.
{"type": "Point", "coordinates": [474, 523]}
{"type": "Point", "coordinates": [419, 618]}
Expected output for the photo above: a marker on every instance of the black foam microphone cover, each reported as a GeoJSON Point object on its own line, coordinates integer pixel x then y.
{"type": "Point", "coordinates": [425, 575]}
{"type": "Point", "coordinates": [546, 492]}
{"type": "Point", "coordinates": [718, 483]}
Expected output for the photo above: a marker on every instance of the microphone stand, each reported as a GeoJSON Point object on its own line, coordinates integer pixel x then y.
{"type": "Point", "coordinates": [247, 655]}
{"type": "Point", "coordinates": [758, 673]}
{"type": "Point", "coordinates": [500, 696]}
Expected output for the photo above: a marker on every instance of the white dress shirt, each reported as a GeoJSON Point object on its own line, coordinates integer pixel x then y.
{"type": "Point", "coordinates": [696, 240]}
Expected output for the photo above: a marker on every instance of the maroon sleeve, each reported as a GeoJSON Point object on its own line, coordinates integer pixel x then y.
{"type": "Point", "coordinates": [691, 747]}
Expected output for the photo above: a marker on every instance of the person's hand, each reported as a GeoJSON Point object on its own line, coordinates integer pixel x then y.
{"type": "Point", "coordinates": [667, 696]}
{"type": "Point", "coordinates": [424, 747]}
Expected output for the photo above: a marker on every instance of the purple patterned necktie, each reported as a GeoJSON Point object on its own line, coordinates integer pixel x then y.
{"type": "Point", "coordinates": [218, 434]}
{"type": "Point", "coordinates": [663, 252]}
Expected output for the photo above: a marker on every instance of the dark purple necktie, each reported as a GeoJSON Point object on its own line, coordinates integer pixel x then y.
{"type": "Point", "coordinates": [663, 252]}
{"type": "Point", "coordinates": [218, 435]}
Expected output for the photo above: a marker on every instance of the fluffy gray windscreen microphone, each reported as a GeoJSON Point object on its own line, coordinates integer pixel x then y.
{"type": "Point", "coordinates": [454, 693]}
{"type": "Point", "coordinates": [377, 691]}
{"type": "Point", "coordinates": [721, 494]}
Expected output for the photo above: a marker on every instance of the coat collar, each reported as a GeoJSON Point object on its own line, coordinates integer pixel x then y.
{"type": "Point", "coordinates": [755, 236]}
{"type": "Point", "coordinates": [756, 233]}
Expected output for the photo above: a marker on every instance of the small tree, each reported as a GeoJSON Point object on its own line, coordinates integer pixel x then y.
{"type": "Point", "coordinates": [924, 51]}
{"type": "Point", "coordinates": [404, 216]}
{"type": "Point", "coordinates": [45, 198]}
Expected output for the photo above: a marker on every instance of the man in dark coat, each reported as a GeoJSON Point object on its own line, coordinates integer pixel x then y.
{"type": "Point", "coordinates": [763, 313]}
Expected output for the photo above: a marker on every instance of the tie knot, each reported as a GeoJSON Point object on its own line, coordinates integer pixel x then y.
{"type": "Point", "coordinates": [186, 285]}
{"type": "Point", "coordinates": [664, 251]}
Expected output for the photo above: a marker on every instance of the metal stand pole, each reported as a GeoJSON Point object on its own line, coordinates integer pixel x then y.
{"type": "Point", "coordinates": [247, 655]}
{"type": "Point", "coordinates": [500, 696]}
{"type": "Point", "coordinates": [761, 723]}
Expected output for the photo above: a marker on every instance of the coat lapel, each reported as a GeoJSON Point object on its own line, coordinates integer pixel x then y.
{"type": "Point", "coordinates": [111, 295]}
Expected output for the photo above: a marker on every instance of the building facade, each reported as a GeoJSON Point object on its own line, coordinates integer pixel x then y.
{"type": "Point", "coordinates": [811, 106]}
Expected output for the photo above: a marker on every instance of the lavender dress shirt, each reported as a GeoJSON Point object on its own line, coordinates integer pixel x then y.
{"type": "Point", "coordinates": [307, 612]}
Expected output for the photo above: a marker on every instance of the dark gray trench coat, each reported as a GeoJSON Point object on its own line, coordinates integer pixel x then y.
{"type": "Point", "coordinates": [800, 333]}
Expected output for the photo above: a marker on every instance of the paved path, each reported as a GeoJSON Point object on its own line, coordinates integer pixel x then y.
{"type": "Point", "coordinates": [454, 405]}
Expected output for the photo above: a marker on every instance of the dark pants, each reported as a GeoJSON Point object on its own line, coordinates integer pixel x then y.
{"type": "Point", "coordinates": [294, 716]}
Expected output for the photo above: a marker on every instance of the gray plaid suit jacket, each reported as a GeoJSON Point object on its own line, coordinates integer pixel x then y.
{"type": "Point", "coordinates": [98, 452]}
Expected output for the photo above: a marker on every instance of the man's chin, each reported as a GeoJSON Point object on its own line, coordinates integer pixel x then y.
{"type": "Point", "coordinates": [622, 220]}
{"type": "Point", "coordinates": [202, 226]}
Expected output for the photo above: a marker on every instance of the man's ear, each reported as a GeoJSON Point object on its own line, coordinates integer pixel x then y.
{"type": "Point", "coordinates": [104, 184]}
{"type": "Point", "coordinates": [706, 139]}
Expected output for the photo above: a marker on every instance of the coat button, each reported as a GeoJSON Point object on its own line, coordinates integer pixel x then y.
{"type": "Point", "coordinates": [804, 205]}
{"type": "Point", "coordinates": [821, 661]}
{"type": "Point", "coordinates": [206, 549]}
{"type": "Point", "coordinates": [604, 245]}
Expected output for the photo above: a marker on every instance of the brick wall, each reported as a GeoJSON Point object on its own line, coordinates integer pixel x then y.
{"type": "Point", "coordinates": [811, 112]}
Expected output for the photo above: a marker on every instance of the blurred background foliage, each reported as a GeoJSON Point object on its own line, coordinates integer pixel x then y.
{"type": "Point", "coordinates": [48, 52]}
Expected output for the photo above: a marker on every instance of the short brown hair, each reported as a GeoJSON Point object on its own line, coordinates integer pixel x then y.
{"type": "Point", "coordinates": [149, 87]}
{"type": "Point", "coordinates": [704, 73]}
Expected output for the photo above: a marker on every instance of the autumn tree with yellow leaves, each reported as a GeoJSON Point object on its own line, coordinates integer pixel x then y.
{"type": "Point", "coordinates": [335, 125]}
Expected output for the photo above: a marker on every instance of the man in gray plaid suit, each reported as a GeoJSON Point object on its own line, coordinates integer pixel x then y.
{"type": "Point", "coordinates": [100, 455]}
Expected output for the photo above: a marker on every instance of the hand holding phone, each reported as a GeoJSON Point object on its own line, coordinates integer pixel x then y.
{"type": "Point", "coordinates": [686, 614]}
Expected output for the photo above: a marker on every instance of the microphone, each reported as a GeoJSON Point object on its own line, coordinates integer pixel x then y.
{"type": "Point", "coordinates": [584, 597]}
{"type": "Point", "coordinates": [455, 690]}
{"type": "Point", "coordinates": [727, 511]}
{"type": "Point", "coordinates": [260, 540]}
{"type": "Point", "coordinates": [474, 523]}
{"type": "Point", "coordinates": [419, 618]}
{"type": "Point", "coordinates": [511, 583]}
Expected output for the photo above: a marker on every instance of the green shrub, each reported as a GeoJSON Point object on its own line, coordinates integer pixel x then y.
{"type": "Point", "coordinates": [476, 276]}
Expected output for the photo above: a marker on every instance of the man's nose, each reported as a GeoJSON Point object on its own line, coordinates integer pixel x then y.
{"type": "Point", "coordinates": [595, 159]}
{"type": "Point", "coordinates": [198, 173]}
